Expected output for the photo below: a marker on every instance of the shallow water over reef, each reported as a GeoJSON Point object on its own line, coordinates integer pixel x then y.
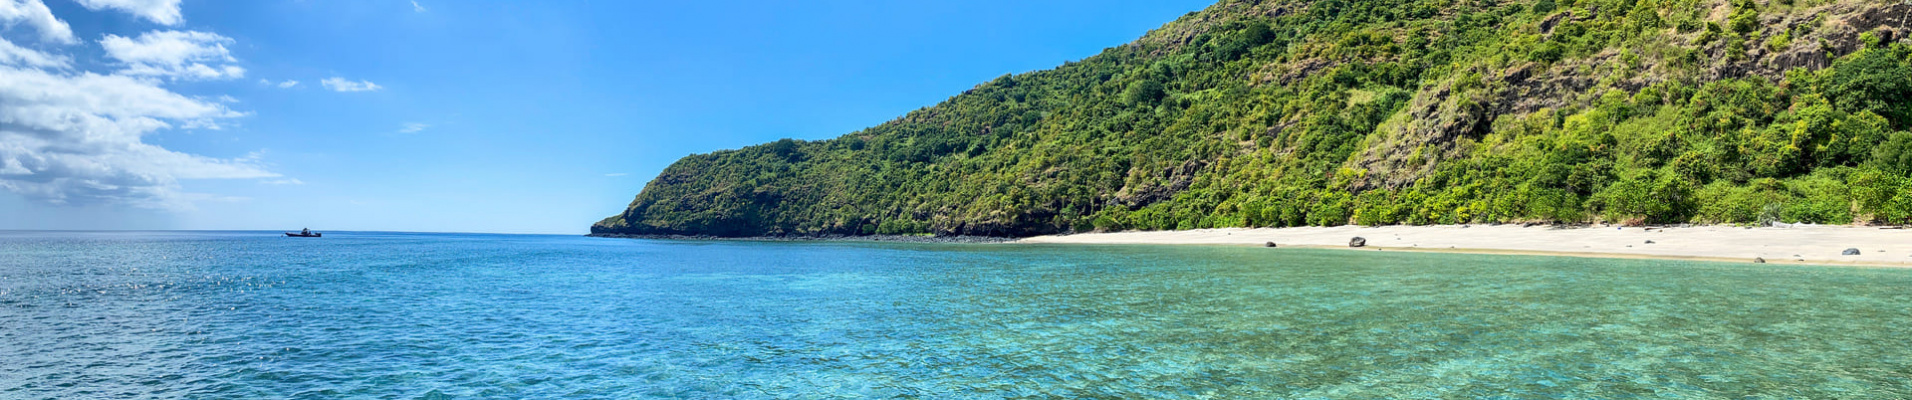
{"type": "Point", "coordinates": [382, 315]}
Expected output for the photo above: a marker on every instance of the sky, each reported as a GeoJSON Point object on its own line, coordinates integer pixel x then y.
{"type": "Point", "coordinates": [470, 115]}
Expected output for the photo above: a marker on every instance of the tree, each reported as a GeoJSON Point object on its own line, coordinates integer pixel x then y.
{"type": "Point", "coordinates": [1876, 80]}
{"type": "Point", "coordinates": [1144, 92]}
{"type": "Point", "coordinates": [1895, 155]}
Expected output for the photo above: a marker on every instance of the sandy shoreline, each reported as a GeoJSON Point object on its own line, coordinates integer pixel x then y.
{"type": "Point", "coordinates": [1794, 245]}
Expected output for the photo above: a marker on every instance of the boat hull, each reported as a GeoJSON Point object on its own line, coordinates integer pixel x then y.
{"type": "Point", "coordinates": [290, 234]}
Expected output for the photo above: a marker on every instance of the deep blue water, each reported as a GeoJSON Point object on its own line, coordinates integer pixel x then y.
{"type": "Point", "coordinates": [248, 315]}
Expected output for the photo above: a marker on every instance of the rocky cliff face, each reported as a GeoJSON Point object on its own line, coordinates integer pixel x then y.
{"type": "Point", "coordinates": [1441, 122]}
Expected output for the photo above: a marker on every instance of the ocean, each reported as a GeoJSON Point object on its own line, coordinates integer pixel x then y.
{"type": "Point", "coordinates": [252, 315]}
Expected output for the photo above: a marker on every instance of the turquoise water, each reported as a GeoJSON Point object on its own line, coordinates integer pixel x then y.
{"type": "Point", "coordinates": [248, 315]}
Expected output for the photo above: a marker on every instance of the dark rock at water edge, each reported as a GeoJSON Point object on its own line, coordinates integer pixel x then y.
{"type": "Point", "coordinates": [1358, 242]}
{"type": "Point", "coordinates": [1759, 260]}
{"type": "Point", "coordinates": [1270, 244]}
{"type": "Point", "coordinates": [1852, 252]}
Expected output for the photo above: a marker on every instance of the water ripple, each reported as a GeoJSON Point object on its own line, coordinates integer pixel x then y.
{"type": "Point", "coordinates": [413, 316]}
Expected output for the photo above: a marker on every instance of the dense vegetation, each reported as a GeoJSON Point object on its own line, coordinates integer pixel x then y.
{"type": "Point", "coordinates": [1279, 113]}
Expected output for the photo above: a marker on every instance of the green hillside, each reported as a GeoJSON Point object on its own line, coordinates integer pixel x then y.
{"type": "Point", "coordinates": [1271, 113]}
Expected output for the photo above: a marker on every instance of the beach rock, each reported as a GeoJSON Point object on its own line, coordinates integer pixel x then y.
{"type": "Point", "coordinates": [1649, 242]}
{"type": "Point", "coordinates": [1851, 252]}
{"type": "Point", "coordinates": [1358, 242]}
{"type": "Point", "coordinates": [1758, 260]}
{"type": "Point", "coordinates": [1270, 244]}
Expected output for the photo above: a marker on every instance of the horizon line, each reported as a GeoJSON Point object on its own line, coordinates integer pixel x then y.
{"type": "Point", "coordinates": [277, 230]}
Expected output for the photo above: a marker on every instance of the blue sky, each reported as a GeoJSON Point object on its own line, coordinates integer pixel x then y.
{"type": "Point", "coordinates": [465, 116]}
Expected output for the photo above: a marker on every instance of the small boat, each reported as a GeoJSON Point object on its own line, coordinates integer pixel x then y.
{"type": "Point", "coordinates": [305, 233]}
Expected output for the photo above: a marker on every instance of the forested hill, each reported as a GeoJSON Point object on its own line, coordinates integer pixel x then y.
{"type": "Point", "coordinates": [1270, 113]}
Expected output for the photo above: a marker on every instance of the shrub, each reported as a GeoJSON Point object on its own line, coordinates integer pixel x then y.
{"type": "Point", "coordinates": [1819, 199]}
{"type": "Point", "coordinates": [1872, 192]}
{"type": "Point", "coordinates": [1330, 210]}
{"type": "Point", "coordinates": [1894, 155]}
{"type": "Point", "coordinates": [1725, 202]}
{"type": "Point", "coordinates": [1779, 42]}
{"type": "Point", "coordinates": [1649, 195]}
{"type": "Point", "coordinates": [1548, 51]}
{"type": "Point", "coordinates": [1745, 18]}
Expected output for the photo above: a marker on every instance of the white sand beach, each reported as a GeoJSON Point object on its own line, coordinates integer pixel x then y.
{"type": "Point", "coordinates": [1798, 244]}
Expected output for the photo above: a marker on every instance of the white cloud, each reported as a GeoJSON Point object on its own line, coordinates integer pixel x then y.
{"type": "Point", "coordinates": [287, 84]}
{"type": "Point", "coordinates": [174, 54]}
{"type": "Point", "coordinates": [163, 12]}
{"type": "Point", "coordinates": [343, 85]}
{"type": "Point", "coordinates": [413, 127]}
{"type": "Point", "coordinates": [34, 13]}
{"type": "Point", "coordinates": [418, 8]}
{"type": "Point", "coordinates": [11, 54]}
{"type": "Point", "coordinates": [76, 138]}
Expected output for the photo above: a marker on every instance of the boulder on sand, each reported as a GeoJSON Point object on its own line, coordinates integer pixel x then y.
{"type": "Point", "coordinates": [1852, 252]}
{"type": "Point", "coordinates": [1759, 260]}
{"type": "Point", "coordinates": [1358, 242]}
{"type": "Point", "coordinates": [1270, 244]}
